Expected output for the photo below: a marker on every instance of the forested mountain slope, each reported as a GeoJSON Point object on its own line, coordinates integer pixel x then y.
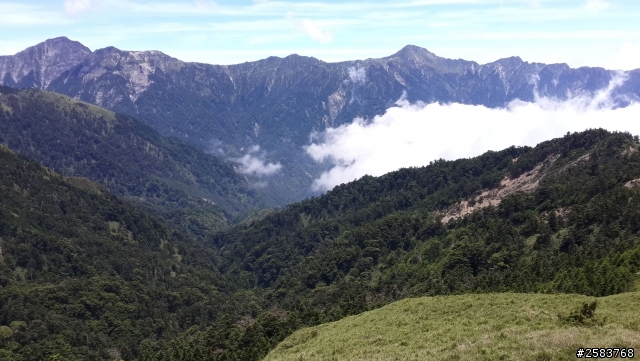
{"type": "Point", "coordinates": [85, 276]}
{"type": "Point", "coordinates": [195, 191]}
{"type": "Point", "coordinates": [277, 103]}
{"type": "Point", "coordinates": [562, 217]}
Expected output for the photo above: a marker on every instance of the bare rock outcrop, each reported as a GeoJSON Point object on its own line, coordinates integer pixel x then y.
{"type": "Point", "coordinates": [526, 182]}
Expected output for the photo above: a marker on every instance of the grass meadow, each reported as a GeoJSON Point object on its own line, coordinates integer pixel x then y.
{"type": "Point", "coordinates": [504, 326]}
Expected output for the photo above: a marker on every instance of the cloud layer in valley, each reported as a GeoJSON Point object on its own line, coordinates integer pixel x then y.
{"type": "Point", "coordinates": [415, 134]}
{"type": "Point", "coordinates": [253, 163]}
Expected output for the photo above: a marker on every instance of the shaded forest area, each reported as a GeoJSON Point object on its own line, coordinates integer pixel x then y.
{"type": "Point", "coordinates": [195, 192]}
{"type": "Point", "coordinates": [83, 274]}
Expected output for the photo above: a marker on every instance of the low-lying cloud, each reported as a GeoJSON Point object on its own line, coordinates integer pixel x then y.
{"type": "Point", "coordinates": [415, 134]}
{"type": "Point", "coordinates": [253, 163]}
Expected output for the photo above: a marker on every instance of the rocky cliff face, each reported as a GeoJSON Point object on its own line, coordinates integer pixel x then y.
{"type": "Point", "coordinates": [278, 102]}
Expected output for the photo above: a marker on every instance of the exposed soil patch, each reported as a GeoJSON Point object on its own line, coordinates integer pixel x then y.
{"type": "Point", "coordinates": [627, 152]}
{"type": "Point", "coordinates": [634, 183]}
{"type": "Point", "coordinates": [527, 182]}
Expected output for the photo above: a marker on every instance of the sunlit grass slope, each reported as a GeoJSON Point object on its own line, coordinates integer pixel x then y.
{"type": "Point", "coordinates": [502, 326]}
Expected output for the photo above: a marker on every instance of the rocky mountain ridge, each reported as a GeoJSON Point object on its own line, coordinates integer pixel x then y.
{"type": "Point", "coordinates": [277, 103]}
{"type": "Point", "coordinates": [37, 66]}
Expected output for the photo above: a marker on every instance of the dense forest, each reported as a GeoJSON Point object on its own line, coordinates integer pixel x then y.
{"type": "Point", "coordinates": [574, 229]}
{"type": "Point", "coordinates": [195, 192]}
{"type": "Point", "coordinates": [86, 276]}
{"type": "Point", "coordinates": [386, 234]}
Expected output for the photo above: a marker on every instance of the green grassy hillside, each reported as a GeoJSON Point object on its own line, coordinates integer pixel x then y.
{"type": "Point", "coordinates": [502, 326]}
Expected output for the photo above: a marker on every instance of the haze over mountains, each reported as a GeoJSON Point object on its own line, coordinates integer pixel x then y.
{"type": "Point", "coordinates": [279, 103]}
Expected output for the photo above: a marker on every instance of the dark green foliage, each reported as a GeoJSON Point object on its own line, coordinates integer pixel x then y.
{"type": "Point", "coordinates": [383, 232]}
{"type": "Point", "coordinates": [585, 316]}
{"type": "Point", "coordinates": [377, 240]}
{"type": "Point", "coordinates": [84, 275]}
{"type": "Point", "coordinates": [247, 339]}
{"type": "Point", "coordinates": [194, 191]}
{"type": "Point", "coordinates": [361, 245]}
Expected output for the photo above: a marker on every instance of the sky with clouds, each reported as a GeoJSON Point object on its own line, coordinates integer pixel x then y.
{"type": "Point", "coordinates": [579, 32]}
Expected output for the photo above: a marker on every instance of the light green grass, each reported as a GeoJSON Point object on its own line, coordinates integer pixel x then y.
{"type": "Point", "coordinates": [469, 327]}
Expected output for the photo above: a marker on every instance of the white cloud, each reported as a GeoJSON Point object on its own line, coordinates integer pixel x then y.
{"type": "Point", "coordinates": [311, 29]}
{"type": "Point", "coordinates": [20, 14]}
{"type": "Point", "coordinates": [253, 163]}
{"type": "Point", "coordinates": [532, 3]}
{"type": "Point", "coordinates": [597, 5]}
{"type": "Point", "coordinates": [415, 134]}
{"type": "Point", "coordinates": [77, 7]}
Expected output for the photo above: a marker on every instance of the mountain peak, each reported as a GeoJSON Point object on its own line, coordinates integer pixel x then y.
{"type": "Point", "coordinates": [107, 50]}
{"type": "Point", "coordinates": [59, 44]}
{"type": "Point", "coordinates": [296, 58]}
{"type": "Point", "coordinates": [62, 40]}
{"type": "Point", "coordinates": [38, 65]}
{"type": "Point", "coordinates": [413, 51]}
{"type": "Point", "coordinates": [416, 56]}
{"type": "Point", "coordinates": [512, 61]}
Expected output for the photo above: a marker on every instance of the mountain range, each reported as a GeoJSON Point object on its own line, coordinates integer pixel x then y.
{"type": "Point", "coordinates": [277, 103]}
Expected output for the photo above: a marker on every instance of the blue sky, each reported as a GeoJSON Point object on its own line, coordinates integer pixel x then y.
{"type": "Point", "coordinates": [579, 32]}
